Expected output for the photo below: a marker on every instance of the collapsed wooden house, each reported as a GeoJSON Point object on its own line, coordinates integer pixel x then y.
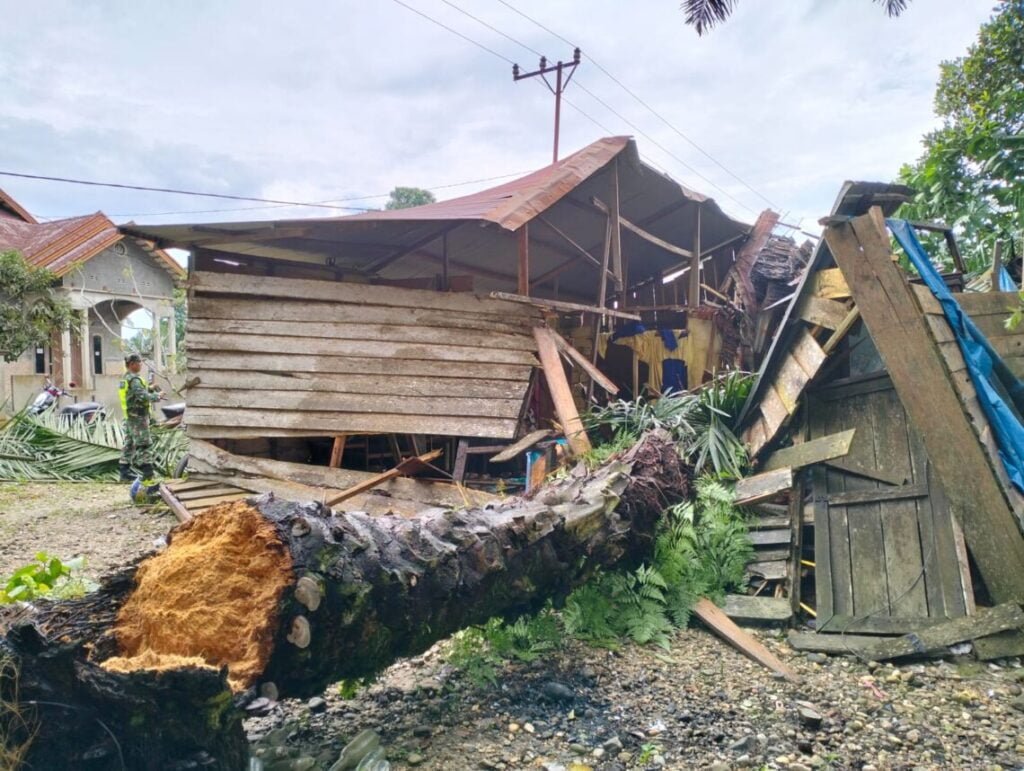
{"type": "Point", "coordinates": [888, 486]}
{"type": "Point", "coordinates": [345, 345]}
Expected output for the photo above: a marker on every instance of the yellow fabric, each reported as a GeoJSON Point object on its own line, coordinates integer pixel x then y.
{"type": "Point", "coordinates": [699, 349]}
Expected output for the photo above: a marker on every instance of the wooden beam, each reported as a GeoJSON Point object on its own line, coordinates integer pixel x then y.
{"type": "Point", "coordinates": [985, 622]}
{"type": "Point", "coordinates": [915, 364]}
{"type": "Point", "coordinates": [415, 246]}
{"type": "Point", "coordinates": [561, 393]}
{"type": "Point", "coordinates": [616, 223]}
{"type": "Point", "coordinates": [820, 312]}
{"type": "Point", "coordinates": [808, 453]}
{"type": "Point", "coordinates": [693, 295]}
{"type": "Point", "coordinates": [174, 504]}
{"type": "Point", "coordinates": [841, 331]}
{"type": "Point", "coordinates": [762, 486]}
{"type": "Point", "coordinates": [997, 267]}
{"type": "Point", "coordinates": [521, 446]}
{"type": "Point", "coordinates": [583, 253]}
{"type": "Point", "coordinates": [337, 450]}
{"type": "Point", "coordinates": [861, 470]}
{"type": "Point", "coordinates": [723, 626]}
{"type": "Point", "coordinates": [524, 259]}
{"type": "Point", "coordinates": [405, 467]}
{"type": "Point", "coordinates": [558, 305]}
{"type": "Point", "coordinates": [644, 234]}
{"type": "Point", "coordinates": [575, 357]}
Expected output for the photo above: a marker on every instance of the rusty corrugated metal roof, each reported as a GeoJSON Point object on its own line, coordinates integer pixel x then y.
{"type": "Point", "coordinates": [11, 209]}
{"type": "Point", "coordinates": [62, 244]}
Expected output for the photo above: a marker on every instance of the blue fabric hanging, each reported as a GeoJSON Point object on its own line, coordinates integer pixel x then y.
{"type": "Point", "coordinates": [1006, 280]}
{"type": "Point", "coordinates": [987, 369]}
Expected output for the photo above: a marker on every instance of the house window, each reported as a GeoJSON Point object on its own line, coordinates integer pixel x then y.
{"type": "Point", "coordinates": [40, 360]}
{"type": "Point", "coordinates": [97, 354]}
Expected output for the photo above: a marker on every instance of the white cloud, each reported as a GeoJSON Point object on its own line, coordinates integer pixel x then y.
{"type": "Point", "coordinates": [309, 100]}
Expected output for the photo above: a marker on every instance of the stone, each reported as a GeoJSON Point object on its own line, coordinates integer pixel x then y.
{"type": "Point", "coordinates": [577, 749]}
{"type": "Point", "coordinates": [809, 714]}
{"type": "Point", "coordinates": [258, 706]}
{"type": "Point", "coordinates": [817, 658]}
{"type": "Point", "coordinates": [316, 704]}
{"type": "Point", "coordinates": [1018, 703]}
{"type": "Point", "coordinates": [718, 765]}
{"type": "Point", "coordinates": [556, 691]}
{"type": "Point", "coordinates": [365, 742]}
{"type": "Point", "coordinates": [613, 744]}
{"type": "Point", "coordinates": [414, 759]}
{"type": "Point", "coordinates": [513, 728]}
{"type": "Point", "coordinates": [745, 744]}
{"type": "Point", "coordinates": [529, 728]}
{"type": "Point", "coordinates": [304, 763]}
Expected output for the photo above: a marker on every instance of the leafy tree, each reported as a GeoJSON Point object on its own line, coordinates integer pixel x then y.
{"type": "Point", "coordinates": [971, 175]}
{"type": "Point", "coordinates": [30, 310]}
{"type": "Point", "coordinates": [407, 197]}
{"type": "Point", "coordinates": [705, 14]}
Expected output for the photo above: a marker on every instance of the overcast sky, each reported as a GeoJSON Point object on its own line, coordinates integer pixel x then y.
{"type": "Point", "coordinates": [308, 101]}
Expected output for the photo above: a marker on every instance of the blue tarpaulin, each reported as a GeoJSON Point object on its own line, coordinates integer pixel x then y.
{"type": "Point", "coordinates": [1000, 393]}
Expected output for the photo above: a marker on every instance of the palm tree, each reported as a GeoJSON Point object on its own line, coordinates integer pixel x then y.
{"type": "Point", "coordinates": [704, 14]}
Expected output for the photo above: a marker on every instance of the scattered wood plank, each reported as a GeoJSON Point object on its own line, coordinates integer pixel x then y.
{"type": "Point", "coordinates": [841, 331]}
{"type": "Point", "coordinates": [758, 611]}
{"type": "Point", "coordinates": [561, 394]}
{"type": "Point", "coordinates": [821, 312]}
{"type": "Point", "coordinates": [407, 466]}
{"type": "Point", "coordinates": [174, 505]}
{"type": "Point", "coordinates": [577, 358]}
{"type": "Point", "coordinates": [1001, 645]}
{"type": "Point", "coordinates": [724, 627]}
{"type": "Point", "coordinates": [808, 453]}
{"type": "Point", "coordinates": [558, 305]}
{"type": "Point", "coordinates": [524, 444]}
{"type": "Point", "coordinates": [769, 570]}
{"type": "Point", "coordinates": [763, 486]}
{"type": "Point", "coordinates": [877, 625]}
{"type": "Point", "coordinates": [861, 247]}
{"type": "Point", "coordinates": [835, 644]}
{"type": "Point", "coordinates": [987, 621]}
{"type": "Point", "coordinates": [770, 537]}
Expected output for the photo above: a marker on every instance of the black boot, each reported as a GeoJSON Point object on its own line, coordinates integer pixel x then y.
{"type": "Point", "coordinates": [126, 472]}
{"type": "Point", "coordinates": [147, 472]}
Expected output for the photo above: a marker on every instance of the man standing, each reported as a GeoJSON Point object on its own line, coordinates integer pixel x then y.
{"type": "Point", "coordinates": [136, 398]}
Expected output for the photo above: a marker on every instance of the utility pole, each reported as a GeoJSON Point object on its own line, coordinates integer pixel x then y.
{"type": "Point", "coordinates": [563, 74]}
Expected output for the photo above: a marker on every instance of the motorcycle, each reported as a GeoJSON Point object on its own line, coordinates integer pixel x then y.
{"type": "Point", "coordinates": [50, 396]}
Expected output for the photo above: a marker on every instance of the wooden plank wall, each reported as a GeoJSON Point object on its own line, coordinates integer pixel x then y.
{"type": "Point", "coordinates": [989, 310]}
{"type": "Point", "coordinates": [297, 357]}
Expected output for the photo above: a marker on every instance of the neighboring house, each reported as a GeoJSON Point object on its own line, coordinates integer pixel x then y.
{"type": "Point", "coordinates": [106, 276]}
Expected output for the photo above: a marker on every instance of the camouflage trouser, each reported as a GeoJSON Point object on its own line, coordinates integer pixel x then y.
{"type": "Point", "coordinates": [138, 442]}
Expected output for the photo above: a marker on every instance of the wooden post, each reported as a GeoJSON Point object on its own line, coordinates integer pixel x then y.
{"type": "Point", "coordinates": [561, 393]}
{"type": "Point", "coordinates": [337, 450]}
{"type": "Point", "coordinates": [616, 228]}
{"type": "Point", "coordinates": [524, 260]}
{"type": "Point", "coordinates": [445, 286]}
{"type": "Point", "coordinates": [461, 456]}
{"type": "Point", "coordinates": [901, 335]}
{"type": "Point", "coordinates": [602, 297]}
{"type": "Point", "coordinates": [997, 267]}
{"type": "Point", "coordinates": [693, 296]}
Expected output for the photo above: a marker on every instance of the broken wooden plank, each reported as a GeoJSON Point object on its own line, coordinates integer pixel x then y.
{"type": "Point", "coordinates": [561, 394]}
{"type": "Point", "coordinates": [841, 331]}
{"type": "Point", "coordinates": [1001, 645]}
{"type": "Point", "coordinates": [814, 451]}
{"type": "Point", "coordinates": [835, 644]}
{"type": "Point", "coordinates": [762, 486]}
{"type": "Point", "coordinates": [821, 312]}
{"type": "Point", "coordinates": [769, 570]}
{"type": "Point", "coordinates": [861, 247]}
{"type": "Point", "coordinates": [862, 470]}
{"type": "Point", "coordinates": [830, 284]}
{"type": "Point", "coordinates": [744, 642]}
{"type": "Point", "coordinates": [577, 358]}
{"type": "Point", "coordinates": [407, 466]}
{"type": "Point", "coordinates": [174, 505]}
{"type": "Point", "coordinates": [746, 609]}
{"type": "Point", "coordinates": [985, 622]}
{"type": "Point", "coordinates": [896, 493]}
{"type": "Point", "coordinates": [564, 307]}
{"type": "Point", "coordinates": [770, 537]}
{"type": "Point", "coordinates": [876, 625]}
{"type": "Point", "coordinates": [521, 446]}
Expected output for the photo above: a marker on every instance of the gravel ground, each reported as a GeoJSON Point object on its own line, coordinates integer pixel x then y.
{"type": "Point", "coordinates": [66, 519]}
{"type": "Point", "coordinates": [699, 706]}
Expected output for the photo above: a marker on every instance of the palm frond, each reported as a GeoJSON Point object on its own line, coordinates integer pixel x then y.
{"type": "Point", "coordinates": [705, 14]}
{"type": "Point", "coordinates": [894, 7]}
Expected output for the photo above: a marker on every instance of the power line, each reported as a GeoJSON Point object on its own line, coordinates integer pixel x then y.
{"type": "Point", "coordinates": [174, 191]}
{"type": "Point", "coordinates": [455, 31]}
{"type": "Point", "coordinates": [329, 200]}
{"type": "Point", "coordinates": [654, 112]}
{"type": "Point", "coordinates": [586, 90]}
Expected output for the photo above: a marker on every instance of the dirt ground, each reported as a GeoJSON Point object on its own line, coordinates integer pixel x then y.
{"type": "Point", "coordinates": [66, 519]}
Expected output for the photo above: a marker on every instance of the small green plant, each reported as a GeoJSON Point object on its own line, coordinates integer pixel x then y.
{"type": "Point", "coordinates": [480, 650]}
{"type": "Point", "coordinates": [47, 576]}
{"type": "Point", "coordinates": [647, 753]}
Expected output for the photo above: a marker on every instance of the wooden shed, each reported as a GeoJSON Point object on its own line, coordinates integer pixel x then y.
{"type": "Point", "coordinates": [864, 418]}
{"type": "Point", "coordinates": [358, 341]}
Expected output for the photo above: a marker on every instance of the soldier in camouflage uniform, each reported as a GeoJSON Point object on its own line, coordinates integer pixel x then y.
{"type": "Point", "coordinates": [137, 397]}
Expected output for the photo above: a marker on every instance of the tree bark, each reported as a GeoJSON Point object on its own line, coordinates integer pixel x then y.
{"type": "Point", "coordinates": [360, 592]}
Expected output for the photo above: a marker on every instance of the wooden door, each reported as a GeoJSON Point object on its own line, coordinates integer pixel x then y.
{"type": "Point", "coordinates": [886, 547]}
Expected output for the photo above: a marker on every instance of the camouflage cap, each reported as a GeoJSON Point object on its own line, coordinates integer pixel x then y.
{"type": "Point", "coordinates": [133, 358]}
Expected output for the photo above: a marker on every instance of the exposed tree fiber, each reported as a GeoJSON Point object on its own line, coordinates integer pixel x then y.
{"type": "Point", "coordinates": [362, 592]}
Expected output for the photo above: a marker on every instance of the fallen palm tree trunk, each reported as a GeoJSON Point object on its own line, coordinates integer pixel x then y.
{"type": "Point", "coordinates": [277, 597]}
